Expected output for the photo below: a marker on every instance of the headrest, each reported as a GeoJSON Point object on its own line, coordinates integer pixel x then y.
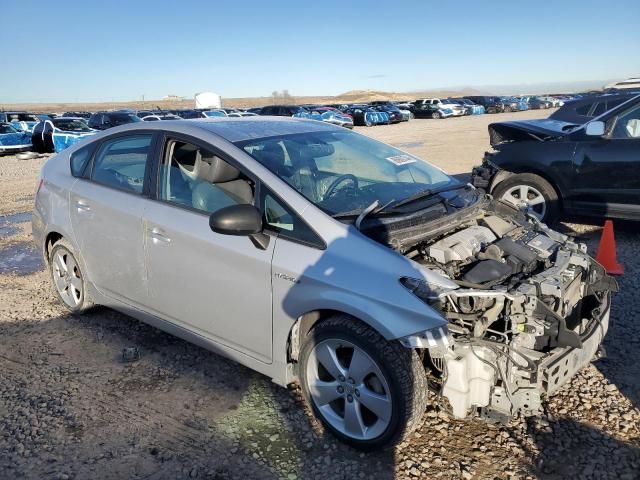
{"type": "Point", "coordinates": [633, 128]}
{"type": "Point", "coordinates": [271, 156]}
{"type": "Point", "coordinates": [213, 169]}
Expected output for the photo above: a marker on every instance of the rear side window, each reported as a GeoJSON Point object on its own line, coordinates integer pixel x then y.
{"type": "Point", "coordinates": [600, 109]}
{"type": "Point", "coordinates": [120, 162]}
{"type": "Point", "coordinates": [583, 110]}
{"type": "Point", "coordinates": [79, 160]}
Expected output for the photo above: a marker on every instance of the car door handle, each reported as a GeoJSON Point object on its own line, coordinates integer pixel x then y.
{"type": "Point", "coordinates": [83, 206]}
{"type": "Point", "coordinates": [158, 235]}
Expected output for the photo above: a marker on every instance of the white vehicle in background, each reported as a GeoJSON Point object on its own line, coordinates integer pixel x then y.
{"type": "Point", "coordinates": [555, 102]}
{"type": "Point", "coordinates": [457, 109]}
{"type": "Point", "coordinates": [242, 114]}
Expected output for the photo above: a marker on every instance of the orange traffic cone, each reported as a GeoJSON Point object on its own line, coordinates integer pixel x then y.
{"type": "Point", "coordinates": [606, 255]}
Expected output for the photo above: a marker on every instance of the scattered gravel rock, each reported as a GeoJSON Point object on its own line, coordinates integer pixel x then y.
{"type": "Point", "coordinates": [71, 409]}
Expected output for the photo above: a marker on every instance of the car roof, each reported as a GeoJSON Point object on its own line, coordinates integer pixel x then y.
{"type": "Point", "coordinates": [238, 129]}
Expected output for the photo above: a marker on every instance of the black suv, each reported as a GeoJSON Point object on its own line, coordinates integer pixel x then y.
{"type": "Point", "coordinates": [281, 110]}
{"type": "Point", "coordinates": [584, 109]}
{"type": "Point", "coordinates": [104, 120]}
{"type": "Point", "coordinates": [491, 104]}
{"type": "Point", "coordinates": [554, 168]}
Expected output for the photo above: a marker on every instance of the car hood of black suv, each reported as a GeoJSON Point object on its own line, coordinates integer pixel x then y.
{"type": "Point", "coordinates": [526, 130]}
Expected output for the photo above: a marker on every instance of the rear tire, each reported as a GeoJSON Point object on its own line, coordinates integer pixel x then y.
{"type": "Point", "coordinates": [533, 190]}
{"type": "Point", "coordinates": [68, 279]}
{"type": "Point", "coordinates": [369, 392]}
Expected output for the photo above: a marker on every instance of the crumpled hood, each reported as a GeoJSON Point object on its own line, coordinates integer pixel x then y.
{"type": "Point", "coordinates": [527, 130]}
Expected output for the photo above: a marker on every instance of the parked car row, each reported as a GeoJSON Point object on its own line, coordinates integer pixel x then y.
{"type": "Point", "coordinates": [53, 132]}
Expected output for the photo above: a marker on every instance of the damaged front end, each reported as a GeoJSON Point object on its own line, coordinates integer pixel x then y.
{"type": "Point", "coordinates": [532, 308]}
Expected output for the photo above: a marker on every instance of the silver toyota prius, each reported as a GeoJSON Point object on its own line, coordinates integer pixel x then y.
{"type": "Point", "coordinates": [317, 255]}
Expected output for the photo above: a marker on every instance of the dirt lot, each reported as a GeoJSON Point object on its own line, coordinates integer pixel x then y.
{"type": "Point", "coordinates": [70, 407]}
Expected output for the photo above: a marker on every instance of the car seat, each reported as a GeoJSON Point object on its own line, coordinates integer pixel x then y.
{"type": "Point", "coordinates": [219, 185]}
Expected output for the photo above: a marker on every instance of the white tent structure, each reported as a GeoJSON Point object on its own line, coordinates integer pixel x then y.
{"type": "Point", "coordinates": [208, 100]}
{"type": "Point", "coordinates": [628, 84]}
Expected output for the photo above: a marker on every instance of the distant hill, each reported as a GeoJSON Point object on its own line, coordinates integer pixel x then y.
{"type": "Point", "coordinates": [352, 96]}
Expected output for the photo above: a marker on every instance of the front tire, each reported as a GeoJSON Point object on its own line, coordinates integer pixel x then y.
{"type": "Point", "coordinates": [531, 191]}
{"type": "Point", "coordinates": [67, 278]}
{"type": "Point", "coordinates": [367, 391]}
{"type": "Point", "coordinates": [436, 115]}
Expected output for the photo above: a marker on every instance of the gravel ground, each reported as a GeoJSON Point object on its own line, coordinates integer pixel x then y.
{"type": "Point", "coordinates": [71, 408]}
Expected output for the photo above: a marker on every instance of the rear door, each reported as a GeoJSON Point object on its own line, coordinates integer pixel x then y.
{"type": "Point", "coordinates": [607, 179]}
{"type": "Point", "coordinates": [218, 286]}
{"type": "Point", "coordinates": [106, 216]}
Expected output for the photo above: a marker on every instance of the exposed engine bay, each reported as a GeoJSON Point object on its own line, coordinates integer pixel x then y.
{"type": "Point", "coordinates": [531, 309]}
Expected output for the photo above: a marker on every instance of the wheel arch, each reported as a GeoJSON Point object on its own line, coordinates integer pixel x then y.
{"type": "Point", "coordinates": [505, 173]}
{"type": "Point", "coordinates": [50, 240]}
{"type": "Point", "coordinates": [307, 321]}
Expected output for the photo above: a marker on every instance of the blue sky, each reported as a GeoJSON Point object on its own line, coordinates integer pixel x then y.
{"type": "Point", "coordinates": [79, 50]}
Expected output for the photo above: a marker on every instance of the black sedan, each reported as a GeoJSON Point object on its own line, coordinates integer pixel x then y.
{"type": "Point", "coordinates": [555, 169]}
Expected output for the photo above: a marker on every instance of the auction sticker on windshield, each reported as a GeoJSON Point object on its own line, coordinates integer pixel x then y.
{"type": "Point", "coordinates": [401, 159]}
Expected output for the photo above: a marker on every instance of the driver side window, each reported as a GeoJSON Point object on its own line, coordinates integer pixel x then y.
{"type": "Point", "coordinates": [120, 163]}
{"type": "Point", "coordinates": [627, 125]}
{"type": "Point", "coordinates": [197, 178]}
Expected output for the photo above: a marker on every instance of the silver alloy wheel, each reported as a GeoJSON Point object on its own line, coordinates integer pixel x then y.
{"type": "Point", "coordinates": [67, 277]}
{"type": "Point", "coordinates": [527, 196]}
{"type": "Point", "coordinates": [349, 389]}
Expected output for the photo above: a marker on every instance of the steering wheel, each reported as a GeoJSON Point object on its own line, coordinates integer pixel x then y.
{"type": "Point", "coordinates": [342, 178]}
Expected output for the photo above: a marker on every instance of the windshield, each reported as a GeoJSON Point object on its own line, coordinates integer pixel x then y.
{"type": "Point", "coordinates": [344, 171]}
{"type": "Point", "coordinates": [72, 125]}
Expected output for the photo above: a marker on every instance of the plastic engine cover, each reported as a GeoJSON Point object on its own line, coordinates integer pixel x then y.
{"type": "Point", "coordinates": [461, 245]}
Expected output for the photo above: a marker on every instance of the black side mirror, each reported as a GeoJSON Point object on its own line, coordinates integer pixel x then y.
{"type": "Point", "coordinates": [240, 220]}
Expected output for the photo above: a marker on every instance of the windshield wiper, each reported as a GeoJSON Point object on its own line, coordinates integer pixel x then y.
{"type": "Point", "coordinates": [427, 193]}
{"type": "Point", "coordinates": [373, 208]}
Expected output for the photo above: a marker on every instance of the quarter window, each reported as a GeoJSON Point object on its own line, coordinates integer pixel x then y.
{"type": "Point", "coordinates": [121, 162]}
{"type": "Point", "coordinates": [280, 218]}
{"type": "Point", "coordinates": [79, 160]}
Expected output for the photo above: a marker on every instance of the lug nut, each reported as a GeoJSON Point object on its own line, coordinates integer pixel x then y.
{"type": "Point", "coordinates": [340, 389]}
{"type": "Point", "coordinates": [351, 381]}
{"type": "Point", "coordinates": [349, 398]}
{"type": "Point", "coordinates": [341, 378]}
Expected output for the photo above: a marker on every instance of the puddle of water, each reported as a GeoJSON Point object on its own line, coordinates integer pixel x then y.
{"type": "Point", "coordinates": [8, 223]}
{"type": "Point", "coordinates": [21, 258]}
{"type": "Point", "coordinates": [409, 145]}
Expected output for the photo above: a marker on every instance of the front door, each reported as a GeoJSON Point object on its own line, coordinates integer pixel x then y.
{"type": "Point", "coordinates": [607, 179]}
{"type": "Point", "coordinates": [216, 285]}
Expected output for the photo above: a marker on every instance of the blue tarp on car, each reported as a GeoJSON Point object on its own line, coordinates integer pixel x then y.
{"type": "Point", "coordinates": [62, 140]}
{"type": "Point", "coordinates": [477, 110]}
{"type": "Point", "coordinates": [376, 118]}
{"type": "Point", "coordinates": [13, 140]}
{"type": "Point", "coordinates": [46, 137]}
